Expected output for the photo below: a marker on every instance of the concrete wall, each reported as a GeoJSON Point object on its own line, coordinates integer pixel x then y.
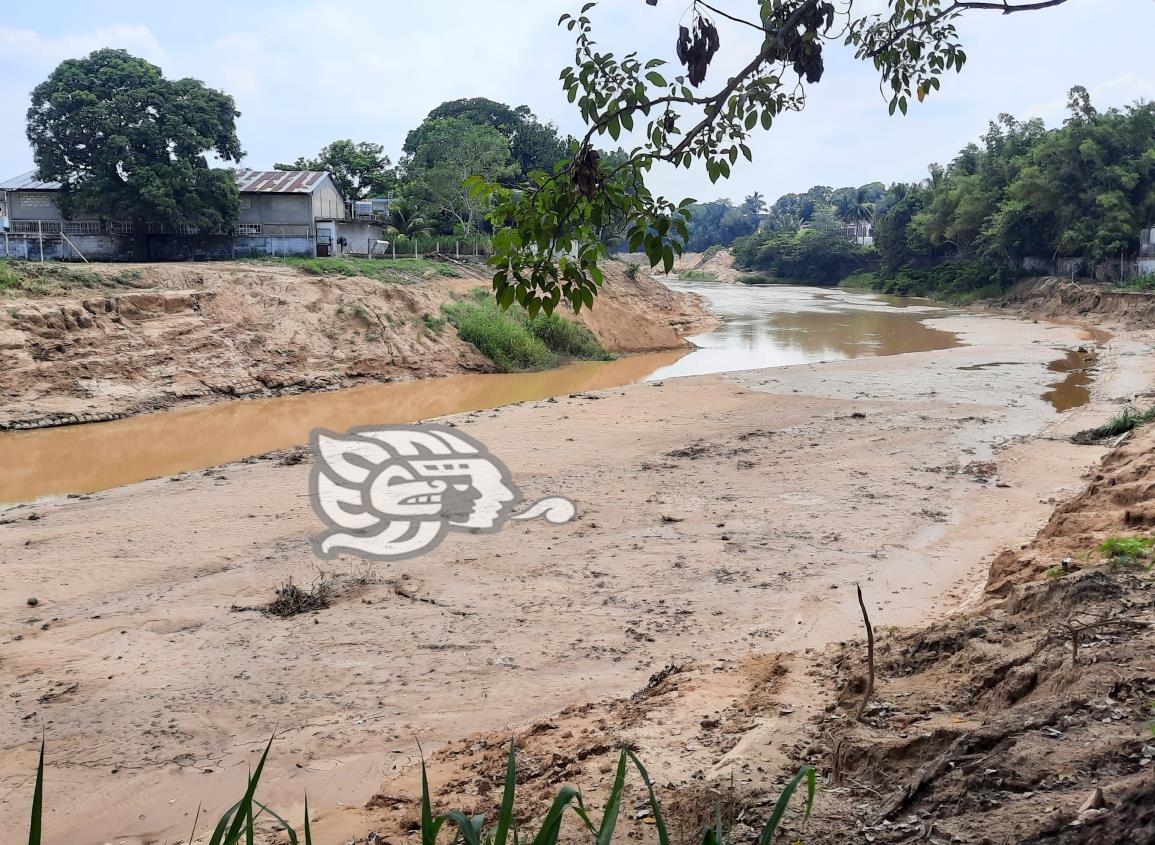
{"type": "Point", "coordinates": [274, 209]}
{"type": "Point", "coordinates": [33, 205]}
{"type": "Point", "coordinates": [360, 234]}
{"type": "Point", "coordinates": [156, 248]}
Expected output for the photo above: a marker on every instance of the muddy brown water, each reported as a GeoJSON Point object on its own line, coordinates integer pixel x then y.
{"type": "Point", "coordinates": [762, 327]}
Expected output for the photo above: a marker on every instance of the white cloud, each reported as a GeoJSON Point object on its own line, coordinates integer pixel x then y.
{"type": "Point", "coordinates": [26, 45]}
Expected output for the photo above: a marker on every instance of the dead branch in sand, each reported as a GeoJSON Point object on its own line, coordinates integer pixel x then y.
{"type": "Point", "coordinates": [869, 691]}
{"type": "Point", "coordinates": [1076, 631]}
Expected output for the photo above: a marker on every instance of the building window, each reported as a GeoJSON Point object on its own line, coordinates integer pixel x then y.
{"type": "Point", "coordinates": [246, 203]}
{"type": "Point", "coordinates": [248, 229]}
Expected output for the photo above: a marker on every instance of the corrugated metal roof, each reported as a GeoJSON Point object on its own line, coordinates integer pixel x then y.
{"type": "Point", "coordinates": [28, 182]}
{"type": "Point", "coordinates": [279, 181]}
{"type": "Point", "coordinates": [248, 181]}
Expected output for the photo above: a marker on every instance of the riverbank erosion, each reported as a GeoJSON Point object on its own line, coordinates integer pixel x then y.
{"type": "Point", "coordinates": [85, 344]}
{"type": "Point", "coordinates": [722, 523]}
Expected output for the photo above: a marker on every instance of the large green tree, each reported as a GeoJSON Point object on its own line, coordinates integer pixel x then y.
{"type": "Point", "coordinates": [533, 145]}
{"type": "Point", "coordinates": [361, 170]}
{"type": "Point", "coordinates": [451, 151]}
{"type": "Point", "coordinates": [128, 144]}
{"type": "Point", "coordinates": [549, 248]}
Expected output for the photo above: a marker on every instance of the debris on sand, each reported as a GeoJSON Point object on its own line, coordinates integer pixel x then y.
{"type": "Point", "coordinates": [291, 600]}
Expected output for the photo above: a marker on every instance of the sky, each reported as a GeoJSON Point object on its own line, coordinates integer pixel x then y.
{"type": "Point", "coordinates": [306, 73]}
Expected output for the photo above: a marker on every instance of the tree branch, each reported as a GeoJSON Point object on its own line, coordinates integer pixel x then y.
{"type": "Point", "coordinates": [869, 691]}
{"type": "Point", "coordinates": [962, 6]}
{"type": "Point", "coordinates": [731, 17]}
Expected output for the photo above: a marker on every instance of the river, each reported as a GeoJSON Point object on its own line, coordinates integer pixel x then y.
{"type": "Point", "coordinates": [768, 326]}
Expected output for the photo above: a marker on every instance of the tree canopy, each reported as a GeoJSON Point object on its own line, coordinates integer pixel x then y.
{"type": "Point", "coordinates": [360, 170]}
{"type": "Point", "coordinates": [450, 151]}
{"type": "Point", "coordinates": [551, 237]}
{"type": "Point", "coordinates": [128, 144]}
{"type": "Point", "coordinates": [534, 146]}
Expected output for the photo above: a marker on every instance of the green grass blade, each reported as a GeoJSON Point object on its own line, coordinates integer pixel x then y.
{"type": "Point", "coordinates": [551, 826]}
{"type": "Point", "coordinates": [784, 799]}
{"type": "Point", "coordinates": [34, 824]}
{"type": "Point", "coordinates": [250, 834]}
{"type": "Point", "coordinates": [308, 830]}
{"type": "Point", "coordinates": [468, 827]}
{"type": "Point", "coordinates": [613, 803]}
{"type": "Point", "coordinates": [505, 816]}
{"type": "Point", "coordinates": [430, 826]}
{"type": "Point", "coordinates": [218, 836]}
{"type": "Point", "coordinates": [655, 807]}
{"type": "Point", "coordinates": [235, 830]}
{"type": "Point", "coordinates": [288, 827]}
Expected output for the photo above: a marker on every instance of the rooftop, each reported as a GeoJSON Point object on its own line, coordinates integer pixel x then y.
{"type": "Point", "coordinates": [248, 181]}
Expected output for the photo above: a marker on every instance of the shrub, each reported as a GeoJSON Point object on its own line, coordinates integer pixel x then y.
{"type": "Point", "coordinates": [698, 276]}
{"type": "Point", "coordinates": [498, 336]}
{"type": "Point", "coordinates": [1143, 283]}
{"type": "Point", "coordinates": [1128, 552]}
{"type": "Point", "coordinates": [513, 341]}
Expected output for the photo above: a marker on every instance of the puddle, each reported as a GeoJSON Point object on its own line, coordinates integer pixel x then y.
{"type": "Point", "coordinates": [1074, 390]}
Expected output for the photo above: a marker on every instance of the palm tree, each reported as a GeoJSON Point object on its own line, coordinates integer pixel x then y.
{"type": "Point", "coordinates": [404, 220]}
{"type": "Point", "coordinates": [855, 209]}
{"type": "Point", "coordinates": [755, 204]}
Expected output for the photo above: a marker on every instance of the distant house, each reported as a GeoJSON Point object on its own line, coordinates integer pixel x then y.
{"type": "Point", "coordinates": [283, 212]}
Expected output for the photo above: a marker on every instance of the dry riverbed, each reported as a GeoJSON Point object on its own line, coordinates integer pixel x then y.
{"type": "Point", "coordinates": [719, 519]}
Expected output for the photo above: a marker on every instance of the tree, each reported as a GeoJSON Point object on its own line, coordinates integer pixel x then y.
{"type": "Point", "coordinates": [754, 205]}
{"type": "Point", "coordinates": [533, 145]}
{"type": "Point", "coordinates": [451, 151]}
{"type": "Point", "coordinates": [127, 144]}
{"type": "Point", "coordinates": [550, 249]}
{"type": "Point", "coordinates": [361, 170]}
{"type": "Point", "coordinates": [719, 223]}
{"type": "Point", "coordinates": [406, 221]}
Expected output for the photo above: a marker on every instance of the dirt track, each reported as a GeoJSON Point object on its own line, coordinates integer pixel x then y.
{"type": "Point", "coordinates": [720, 519]}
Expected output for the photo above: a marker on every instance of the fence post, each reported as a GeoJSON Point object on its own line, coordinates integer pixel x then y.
{"type": "Point", "coordinates": [393, 245]}
{"type": "Point", "coordinates": [40, 233]}
{"type": "Point", "coordinates": [415, 248]}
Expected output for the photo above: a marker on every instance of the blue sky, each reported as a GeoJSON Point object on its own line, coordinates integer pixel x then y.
{"type": "Point", "coordinates": [305, 73]}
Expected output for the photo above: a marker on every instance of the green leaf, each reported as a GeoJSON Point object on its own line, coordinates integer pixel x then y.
{"type": "Point", "coordinates": [505, 815]}
{"type": "Point", "coordinates": [771, 828]}
{"type": "Point", "coordinates": [655, 807]}
{"type": "Point", "coordinates": [656, 79]}
{"type": "Point", "coordinates": [613, 803]}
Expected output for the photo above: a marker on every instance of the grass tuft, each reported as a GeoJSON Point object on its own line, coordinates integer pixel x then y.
{"type": "Point", "coordinates": [515, 342]}
{"type": "Point", "coordinates": [1130, 419]}
{"type": "Point", "coordinates": [394, 271]}
{"type": "Point", "coordinates": [698, 276]}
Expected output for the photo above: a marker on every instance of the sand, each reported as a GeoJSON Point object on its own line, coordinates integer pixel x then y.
{"type": "Point", "coordinates": [720, 518]}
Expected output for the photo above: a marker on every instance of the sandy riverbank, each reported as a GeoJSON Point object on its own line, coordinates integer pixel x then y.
{"type": "Point", "coordinates": [720, 518]}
